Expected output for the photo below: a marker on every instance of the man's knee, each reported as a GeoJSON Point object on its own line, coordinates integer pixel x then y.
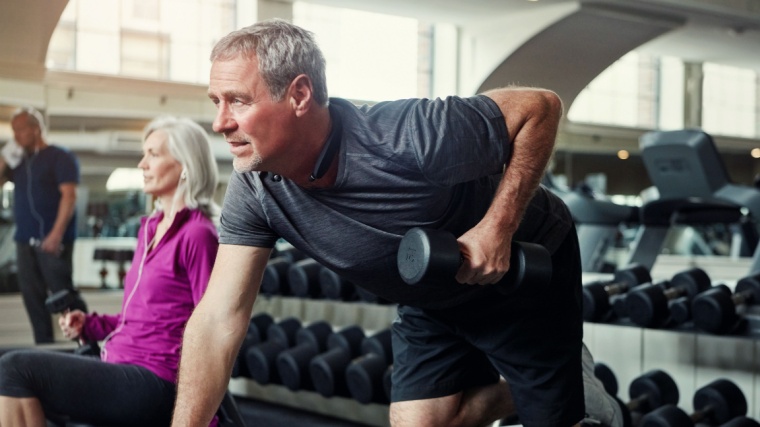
{"type": "Point", "coordinates": [425, 413]}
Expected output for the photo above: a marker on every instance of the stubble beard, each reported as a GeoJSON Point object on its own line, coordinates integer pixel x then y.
{"type": "Point", "coordinates": [249, 164]}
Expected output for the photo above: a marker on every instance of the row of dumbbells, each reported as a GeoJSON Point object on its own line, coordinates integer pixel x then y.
{"type": "Point", "coordinates": [290, 273]}
{"type": "Point", "coordinates": [654, 398]}
{"type": "Point", "coordinates": [316, 357]}
{"type": "Point", "coordinates": [689, 297]}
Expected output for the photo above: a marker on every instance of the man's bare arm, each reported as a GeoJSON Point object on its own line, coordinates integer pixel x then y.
{"type": "Point", "coordinates": [215, 332]}
{"type": "Point", "coordinates": [532, 117]}
{"type": "Point", "coordinates": [66, 206]}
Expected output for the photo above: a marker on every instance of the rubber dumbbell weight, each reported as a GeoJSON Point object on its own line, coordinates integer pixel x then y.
{"type": "Point", "coordinates": [328, 370]}
{"type": "Point", "coordinates": [716, 311]}
{"type": "Point", "coordinates": [598, 296]}
{"type": "Point", "coordinates": [303, 277]}
{"type": "Point", "coordinates": [334, 287]}
{"type": "Point", "coordinates": [619, 306]}
{"type": "Point", "coordinates": [255, 334]}
{"type": "Point", "coordinates": [741, 422]}
{"type": "Point", "coordinates": [364, 376]}
{"type": "Point", "coordinates": [649, 307]}
{"type": "Point", "coordinates": [62, 302]}
{"type": "Point", "coordinates": [649, 391]}
{"type": "Point", "coordinates": [293, 363]}
{"type": "Point", "coordinates": [289, 253]}
{"type": "Point", "coordinates": [716, 403]}
{"type": "Point", "coordinates": [433, 256]}
{"type": "Point", "coordinates": [275, 278]}
{"type": "Point", "coordinates": [604, 374]}
{"type": "Point", "coordinates": [261, 359]}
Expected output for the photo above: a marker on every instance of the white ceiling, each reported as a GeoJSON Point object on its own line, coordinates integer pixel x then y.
{"type": "Point", "coordinates": [720, 31]}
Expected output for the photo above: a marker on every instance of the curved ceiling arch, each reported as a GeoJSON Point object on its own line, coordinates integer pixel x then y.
{"type": "Point", "coordinates": [568, 54]}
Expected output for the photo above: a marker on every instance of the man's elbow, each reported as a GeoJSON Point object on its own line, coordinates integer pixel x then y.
{"type": "Point", "coordinates": [550, 103]}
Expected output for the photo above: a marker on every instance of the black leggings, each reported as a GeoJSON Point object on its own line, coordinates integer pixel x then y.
{"type": "Point", "coordinates": [86, 389]}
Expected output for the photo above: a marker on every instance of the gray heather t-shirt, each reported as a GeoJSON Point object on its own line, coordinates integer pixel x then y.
{"type": "Point", "coordinates": [402, 164]}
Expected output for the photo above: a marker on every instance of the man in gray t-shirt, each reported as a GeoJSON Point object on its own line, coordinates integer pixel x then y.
{"type": "Point", "coordinates": [343, 184]}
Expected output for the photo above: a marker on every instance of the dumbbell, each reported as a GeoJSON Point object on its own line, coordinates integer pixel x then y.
{"type": "Point", "coordinates": [303, 277]}
{"type": "Point", "coordinates": [364, 376]}
{"type": "Point", "coordinates": [741, 422]}
{"type": "Point", "coordinates": [716, 403]}
{"type": "Point", "coordinates": [605, 375]}
{"type": "Point", "coordinates": [334, 287]}
{"type": "Point", "coordinates": [275, 278]}
{"type": "Point", "coordinates": [256, 333]}
{"type": "Point", "coordinates": [597, 296]}
{"type": "Point", "coordinates": [328, 370]}
{"type": "Point", "coordinates": [290, 253]}
{"type": "Point", "coordinates": [433, 256]}
{"type": "Point", "coordinates": [647, 391]}
{"type": "Point", "coordinates": [293, 363]}
{"type": "Point", "coordinates": [715, 311]}
{"type": "Point", "coordinates": [261, 358]}
{"type": "Point", "coordinates": [66, 300]}
{"type": "Point", "coordinates": [648, 307]}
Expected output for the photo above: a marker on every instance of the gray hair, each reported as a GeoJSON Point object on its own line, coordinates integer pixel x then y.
{"type": "Point", "coordinates": [33, 117]}
{"type": "Point", "coordinates": [188, 143]}
{"type": "Point", "coordinates": [284, 51]}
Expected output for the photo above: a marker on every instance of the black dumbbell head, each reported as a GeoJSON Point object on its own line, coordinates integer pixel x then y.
{"type": "Point", "coordinates": [315, 335]}
{"type": "Point", "coordinates": [607, 377]}
{"type": "Point", "coordinates": [693, 281]}
{"type": "Point", "coordinates": [725, 399]}
{"type": "Point", "coordinates": [657, 387]}
{"type": "Point", "coordinates": [293, 367]}
{"type": "Point", "coordinates": [261, 362]}
{"type": "Point", "coordinates": [335, 287]}
{"type": "Point", "coordinates": [259, 325]}
{"type": "Point", "coordinates": [632, 275]}
{"type": "Point", "coordinates": [667, 416]}
{"type": "Point", "coordinates": [596, 301]}
{"type": "Point", "coordinates": [349, 338]}
{"type": "Point", "coordinates": [714, 311]}
{"type": "Point", "coordinates": [364, 377]}
{"type": "Point", "coordinates": [275, 279]}
{"type": "Point", "coordinates": [303, 277]}
{"type": "Point", "coordinates": [647, 306]}
{"type": "Point", "coordinates": [750, 285]}
{"type": "Point", "coordinates": [680, 310]}
{"type": "Point", "coordinates": [430, 255]}
{"type": "Point", "coordinates": [284, 332]}
{"type": "Point", "coordinates": [528, 262]}
{"type": "Point", "coordinates": [741, 422]}
{"type": "Point", "coordinates": [379, 344]}
{"type": "Point", "coordinates": [328, 372]}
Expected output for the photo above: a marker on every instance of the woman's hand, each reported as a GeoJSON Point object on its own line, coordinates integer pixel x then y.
{"type": "Point", "coordinates": [71, 323]}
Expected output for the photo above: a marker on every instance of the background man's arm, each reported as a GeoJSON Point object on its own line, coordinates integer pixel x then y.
{"type": "Point", "coordinates": [215, 332]}
{"type": "Point", "coordinates": [52, 242]}
{"type": "Point", "coordinates": [532, 117]}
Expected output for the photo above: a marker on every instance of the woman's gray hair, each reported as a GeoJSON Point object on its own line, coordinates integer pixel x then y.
{"type": "Point", "coordinates": [33, 116]}
{"type": "Point", "coordinates": [189, 144]}
{"type": "Point", "coordinates": [284, 51]}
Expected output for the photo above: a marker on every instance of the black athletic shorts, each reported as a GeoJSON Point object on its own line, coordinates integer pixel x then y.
{"type": "Point", "coordinates": [532, 337]}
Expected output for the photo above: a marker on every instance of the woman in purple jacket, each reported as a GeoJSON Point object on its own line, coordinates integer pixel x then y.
{"type": "Point", "coordinates": [133, 383]}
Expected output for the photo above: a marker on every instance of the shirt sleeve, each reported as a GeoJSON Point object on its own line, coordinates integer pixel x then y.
{"type": "Point", "coordinates": [199, 253]}
{"type": "Point", "coordinates": [98, 326]}
{"type": "Point", "coordinates": [243, 221]}
{"type": "Point", "coordinates": [458, 139]}
{"type": "Point", "coordinates": [67, 168]}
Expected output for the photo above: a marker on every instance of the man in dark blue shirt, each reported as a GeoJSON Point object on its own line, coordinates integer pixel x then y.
{"type": "Point", "coordinates": [45, 178]}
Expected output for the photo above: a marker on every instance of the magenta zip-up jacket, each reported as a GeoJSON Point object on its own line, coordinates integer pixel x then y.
{"type": "Point", "coordinates": [158, 302]}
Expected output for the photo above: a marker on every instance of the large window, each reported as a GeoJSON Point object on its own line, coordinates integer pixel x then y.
{"type": "Point", "coordinates": [370, 56]}
{"type": "Point", "coordinates": [625, 94]}
{"type": "Point", "coordinates": [730, 101]}
{"type": "Point", "coordinates": [155, 39]}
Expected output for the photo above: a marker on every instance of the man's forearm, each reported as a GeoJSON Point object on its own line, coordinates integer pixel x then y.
{"type": "Point", "coordinates": [203, 374]}
{"type": "Point", "coordinates": [66, 209]}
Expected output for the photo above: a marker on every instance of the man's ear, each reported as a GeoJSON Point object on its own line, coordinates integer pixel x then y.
{"type": "Point", "coordinates": [300, 94]}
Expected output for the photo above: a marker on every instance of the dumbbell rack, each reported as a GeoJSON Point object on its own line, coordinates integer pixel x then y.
{"type": "Point", "coordinates": [693, 356]}
{"type": "Point", "coordinates": [370, 317]}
